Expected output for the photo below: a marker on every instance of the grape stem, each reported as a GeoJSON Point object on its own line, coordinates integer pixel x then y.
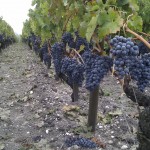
{"type": "Point", "coordinates": [97, 49]}
{"type": "Point", "coordinates": [78, 55]}
{"type": "Point", "coordinates": [138, 36]}
{"type": "Point", "coordinates": [144, 34]}
{"type": "Point", "coordinates": [97, 42]}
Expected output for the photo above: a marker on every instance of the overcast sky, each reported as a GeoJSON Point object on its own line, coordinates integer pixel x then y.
{"type": "Point", "coordinates": [15, 12]}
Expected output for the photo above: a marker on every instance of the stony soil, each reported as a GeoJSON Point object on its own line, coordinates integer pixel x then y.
{"type": "Point", "coordinates": [36, 112]}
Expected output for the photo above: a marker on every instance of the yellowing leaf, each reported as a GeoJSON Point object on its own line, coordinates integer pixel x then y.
{"type": "Point", "coordinates": [70, 108]}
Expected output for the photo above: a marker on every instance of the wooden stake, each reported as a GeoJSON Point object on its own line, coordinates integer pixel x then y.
{"type": "Point", "coordinates": [75, 92]}
{"type": "Point", "coordinates": [93, 105]}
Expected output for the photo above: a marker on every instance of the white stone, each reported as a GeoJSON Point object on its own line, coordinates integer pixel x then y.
{"type": "Point", "coordinates": [112, 137]}
{"type": "Point", "coordinates": [124, 147]}
{"type": "Point", "coordinates": [110, 142]}
{"type": "Point", "coordinates": [47, 131]}
{"type": "Point", "coordinates": [106, 106]}
{"type": "Point", "coordinates": [75, 147]}
{"type": "Point", "coordinates": [31, 92]}
{"type": "Point", "coordinates": [100, 127]}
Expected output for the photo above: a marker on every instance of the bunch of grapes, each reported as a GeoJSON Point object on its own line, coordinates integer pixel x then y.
{"type": "Point", "coordinates": [81, 42]}
{"type": "Point", "coordinates": [35, 48]}
{"type": "Point", "coordinates": [73, 70]}
{"type": "Point", "coordinates": [82, 142]}
{"type": "Point", "coordinates": [143, 48]}
{"type": "Point", "coordinates": [67, 38]}
{"type": "Point", "coordinates": [96, 68]}
{"type": "Point", "coordinates": [58, 54]}
{"type": "Point", "coordinates": [124, 51]}
{"type": "Point", "coordinates": [140, 71]}
{"type": "Point", "coordinates": [43, 50]}
{"type": "Point", "coordinates": [47, 60]}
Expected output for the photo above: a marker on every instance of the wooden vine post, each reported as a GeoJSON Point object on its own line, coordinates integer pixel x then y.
{"type": "Point", "coordinates": [93, 106]}
{"type": "Point", "coordinates": [75, 92]}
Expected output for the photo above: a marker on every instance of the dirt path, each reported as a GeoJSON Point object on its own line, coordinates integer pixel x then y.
{"type": "Point", "coordinates": [35, 109]}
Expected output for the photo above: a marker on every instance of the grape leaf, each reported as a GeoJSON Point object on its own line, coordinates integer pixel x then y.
{"type": "Point", "coordinates": [65, 2]}
{"type": "Point", "coordinates": [135, 23]}
{"type": "Point", "coordinates": [91, 27]}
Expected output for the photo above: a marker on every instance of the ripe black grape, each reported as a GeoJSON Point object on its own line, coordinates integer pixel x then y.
{"type": "Point", "coordinates": [140, 71]}
{"type": "Point", "coordinates": [82, 142]}
{"type": "Point", "coordinates": [124, 50]}
{"type": "Point", "coordinates": [47, 60]}
{"type": "Point", "coordinates": [143, 48]}
{"type": "Point", "coordinates": [57, 54]}
{"type": "Point", "coordinates": [81, 42]}
{"type": "Point", "coordinates": [67, 38]}
{"type": "Point", "coordinates": [74, 70]}
{"type": "Point", "coordinates": [96, 68]}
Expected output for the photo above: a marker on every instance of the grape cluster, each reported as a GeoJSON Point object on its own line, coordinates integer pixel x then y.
{"type": "Point", "coordinates": [35, 48]}
{"type": "Point", "coordinates": [47, 60]}
{"type": "Point", "coordinates": [57, 54]}
{"type": "Point", "coordinates": [73, 70]}
{"type": "Point", "coordinates": [96, 68]}
{"type": "Point", "coordinates": [124, 51]}
{"type": "Point", "coordinates": [143, 48]}
{"type": "Point", "coordinates": [140, 71]}
{"type": "Point", "coordinates": [82, 142]}
{"type": "Point", "coordinates": [67, 38]}
{"type": "Point", "coordinates": [81, 41]}
{"type": "Point", "coordinates": [43, 50]}
{"type": "Point", "coordinates": [36, 45]}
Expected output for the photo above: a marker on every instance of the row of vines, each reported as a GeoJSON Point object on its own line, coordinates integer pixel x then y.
{"type": "Point", "coordinates": [87, 39]}
{"type": "Point", "coordinates": [7, 35]}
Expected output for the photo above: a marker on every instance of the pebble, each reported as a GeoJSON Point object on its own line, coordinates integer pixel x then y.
{"type": "Point", "coordinates": [47, 131]}
{"type": "Point", "coordinates": [73, 147]}
{"type": "Point", "coordinates": [106, 106]}
{"type": "Point", "coordinates": [100, 127]}
{"type": "Point", "coordinates": [31, 92]}
{"type": "Point", "coordinates": [110, 142]}
{"type": "Point", "coordinates": [67, 133]}
{"type": "Point", "coordinates": [112, 137]}
{"type": "Point", "coordinates": [124, 147]}
{"type": "Point", "coordinates": [56, 98]}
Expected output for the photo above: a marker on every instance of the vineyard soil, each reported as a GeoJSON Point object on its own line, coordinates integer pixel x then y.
{"type": "Point", "coordinates": [36, 112]}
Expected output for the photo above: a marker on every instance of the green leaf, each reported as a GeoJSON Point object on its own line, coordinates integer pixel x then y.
{"type": "Point", "coordinates": [109, 22]}
{"type": "Point", "coordinates": [83, 28]}
{"type": "Point", "coordinates": [34, 2]}
{"type": "Point", "coordinates": [75, 22]}
{"type": "Point", "coordinates": [133, 4]}
{"type": "Point", "coordinates": [100, 3]}
{"type": "Point", "coordinates": [95, 8]}
{"type": "Point", "coordinates": [71, 7]}
{"type": "Point", "coordinates": [122, 2]}
{"type": "Point", "coordinates": [111, 2]}
{"type": "Point", "coordinates": [135, 23]}
{"type": "Point", "coordinates": [91, 27]}
{"type": "Point", "coordinates": [65, 2]}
